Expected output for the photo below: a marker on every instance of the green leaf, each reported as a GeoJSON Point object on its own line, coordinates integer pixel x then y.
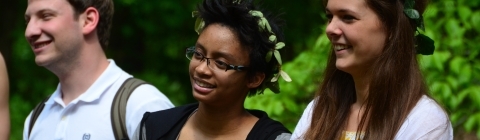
{"type": "Point", "coordinates": [256, 13]}
{"type": "Point", "coordinates": [199, 24]}
{"type": "Point", "coordinates": [285, 76]}
{"type": "Point", "coordinates": [464, 13]}
{"type": "Point", "coordinates": [465, 74]}
{"type": "Point", "coordinates": [453, 82]}
{"type": "Point", "coordinates": [475, 95]}
{"type": "Point", "coordinates": [409, 4]}
{"type": "Point", "coordinates": [273, 86]}
{"type": "Point", "coordinates": [475, 20]}
{"type": "Point", "coordinates": [453, 28]}
{"type": "Point", "coordinates": [470, 123]}
{"type": "Point", "coordinates": [262, 24]}
{"type": "Point", "coordinates": [194, 13]}
{"type": "Point", "coordinates": [278, 109]}
{"type": "Point", "coordinates": [290, 104]}
{"type": "Point", "coordinates": [425, 45]}
{"type": "Point", "coordinates": [279, 45]}
{"type": "Point", "coordinates": [277, 56]}
{"type": "Point", "coordinates": [268, 57]}
{"type": "Point", "coordinates": [412, 13]}
{"type": "Point", "coordinates": [272, 38]}
{"type": "Point", "coordinates": [463, 94]}
{"type": "Point", "coordinates": [265, 21]}
{"type": "Point", "coordinates": [439, 59]}
{"type": "Point", "coordinates": [456, 64]}
{"type": "Point", "coordinates": [454, 117]}
{"type": "Point", "coordinates": [275, 78]}
{"type": "Point", "coordinates": [446, 93]}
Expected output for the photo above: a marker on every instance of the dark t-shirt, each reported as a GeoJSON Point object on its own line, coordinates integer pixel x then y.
{"type": "Point", "coordinates": [167, 124]}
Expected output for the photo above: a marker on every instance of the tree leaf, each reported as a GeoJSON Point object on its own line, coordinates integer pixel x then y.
{"type": "Point", "coordinates": [456, 64]}
{"type": "Point", "coordinates": [464, 12]}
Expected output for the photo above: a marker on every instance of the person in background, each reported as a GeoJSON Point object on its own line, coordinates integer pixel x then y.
{"type": "Point", "coordinates": [4, 97]}
{"type": "Point", "coordinates": [68, 37]}
{"type": "Point", "coordinates": [236, 55]}
{"type": "Point", "coordinates": [372, 87]}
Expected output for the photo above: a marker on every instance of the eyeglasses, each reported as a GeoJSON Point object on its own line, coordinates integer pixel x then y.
{"type": "Point", "coordinates": [192, 54]}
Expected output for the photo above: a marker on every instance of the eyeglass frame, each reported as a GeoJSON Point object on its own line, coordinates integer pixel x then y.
{"type": "Point", "coordinates": [193, 51]}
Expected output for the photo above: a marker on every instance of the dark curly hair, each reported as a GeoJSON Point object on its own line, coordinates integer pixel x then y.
{"type": "Point", "coordinates": [235, 15]}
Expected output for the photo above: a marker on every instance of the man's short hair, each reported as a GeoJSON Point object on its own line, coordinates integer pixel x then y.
{"type": "Point", "coordinates": [105, 9]}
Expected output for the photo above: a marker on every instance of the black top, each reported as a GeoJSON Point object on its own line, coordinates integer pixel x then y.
{"type": "Point", "coordinates": [167, 124]}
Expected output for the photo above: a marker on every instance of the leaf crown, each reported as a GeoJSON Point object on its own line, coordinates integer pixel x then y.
{"type": "Point", "coordinates": [423, 44]}
{"type": "Point", "coordinates": [270, 81]}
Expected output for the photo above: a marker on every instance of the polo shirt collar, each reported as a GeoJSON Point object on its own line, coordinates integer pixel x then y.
{"type": "Point", "coordinates": [101, 85]}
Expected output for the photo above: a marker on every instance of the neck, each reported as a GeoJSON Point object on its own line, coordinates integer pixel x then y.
{"type": "Point", "coordinates": [81, 72]}
{"type": "Point", "coordinates": [215, 121]}
{"type": "Point", "coordinates": [362, 84]}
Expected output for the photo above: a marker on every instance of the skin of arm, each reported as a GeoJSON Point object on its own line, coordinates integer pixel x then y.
{"type": "Point", "coordinates": [4, 97]}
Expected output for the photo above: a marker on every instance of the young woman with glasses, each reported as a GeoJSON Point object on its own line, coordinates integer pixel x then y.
{"type": "Point", "coordinates": [236, 55]}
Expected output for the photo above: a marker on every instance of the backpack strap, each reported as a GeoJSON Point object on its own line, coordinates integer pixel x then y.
{"type": "Point", "coordinates": [119, 107]}
{"type": "Point", "coordinates": [36, 112]}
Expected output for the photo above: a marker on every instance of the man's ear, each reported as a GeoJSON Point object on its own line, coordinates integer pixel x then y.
{"type": "Point", "coordinates": [256, 80]}
{"type": "Point", "coordinates": [89, 20]}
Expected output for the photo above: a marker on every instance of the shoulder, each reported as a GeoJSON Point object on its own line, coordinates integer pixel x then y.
{"type": "Point", "coordinates": [304, 122]}
{"type": "Point", "coordinates": [159, 123]}
{"type": "Point", "coordinates": [174, 113]}
{"type": "Point", "coordinates": [149, 96]}
{"type": "Point", "coordinates": [168, 117]}
{"type": "Point", "coordinates": [428, 110]}
{"type": "Point", "coordinates": [143, 98]}
{"type": "Point", "coordinates": [267, 128]}
{"type": "Point", "coordinates": [426, 119]}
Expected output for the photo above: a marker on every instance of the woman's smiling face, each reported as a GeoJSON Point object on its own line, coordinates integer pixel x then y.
{"type": "Point", "coordinates": [213, 86]}
{"type": "Point", "coordinates": [356, 33]}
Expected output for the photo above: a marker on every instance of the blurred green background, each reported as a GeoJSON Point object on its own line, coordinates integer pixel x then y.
{"type": "Point", "coordinates": [148, 40]}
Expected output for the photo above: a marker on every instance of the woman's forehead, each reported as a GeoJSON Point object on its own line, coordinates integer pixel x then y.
{"type": "Point", "coordinates": [221, 40]}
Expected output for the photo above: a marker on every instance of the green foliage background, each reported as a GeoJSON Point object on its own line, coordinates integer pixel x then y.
{"type": "Point", "coordinates": [148, 39]}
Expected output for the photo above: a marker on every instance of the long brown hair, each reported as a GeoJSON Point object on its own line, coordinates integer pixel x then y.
{"type": "Point", "coordinates": [395, 87]}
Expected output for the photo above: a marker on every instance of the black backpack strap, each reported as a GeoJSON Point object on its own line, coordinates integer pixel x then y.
{"type": "Point", "coordinates": [119, 107]}
{"type": "Point", "coordinates": [36, 112]}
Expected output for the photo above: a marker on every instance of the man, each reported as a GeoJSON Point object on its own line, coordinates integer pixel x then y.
{"type": "Point", "coordinates": [68, 38]}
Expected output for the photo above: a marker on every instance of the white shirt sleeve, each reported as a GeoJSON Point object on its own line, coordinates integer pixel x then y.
{"type": "Point", "coordinates": [145, 98]}
{"type": "Point", "coordinates": [304, 122]}
{"type": "Point", "coordinates": [426, 121]}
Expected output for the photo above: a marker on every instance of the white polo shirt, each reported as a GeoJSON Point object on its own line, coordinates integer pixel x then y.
{"type": "Point", "coordinates": [426, 121]}
{"type": "Point", "coordinates": [88, 116]}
